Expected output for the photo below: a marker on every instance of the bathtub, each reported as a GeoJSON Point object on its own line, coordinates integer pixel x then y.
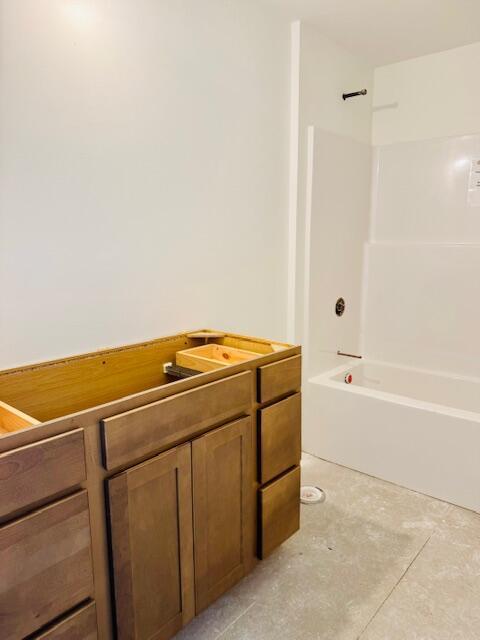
{"type": "Point", "coordinates": [418, 429]}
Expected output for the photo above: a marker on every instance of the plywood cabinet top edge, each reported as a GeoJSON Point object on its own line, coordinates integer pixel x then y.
{"type": "Point", "coordinates": [93, 354]}
{"type": "Point", "coordinates": [139, 345]}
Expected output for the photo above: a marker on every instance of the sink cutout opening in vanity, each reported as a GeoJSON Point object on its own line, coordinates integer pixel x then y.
{"type": "Point", "coordinates": [60, 388]}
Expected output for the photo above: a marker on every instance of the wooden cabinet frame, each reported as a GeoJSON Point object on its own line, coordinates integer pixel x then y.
{"type": "Point", "coordinates": [83, 392]}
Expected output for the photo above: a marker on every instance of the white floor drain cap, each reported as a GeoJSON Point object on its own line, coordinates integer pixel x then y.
{"type": "Point", "coordinates": [312, 495]}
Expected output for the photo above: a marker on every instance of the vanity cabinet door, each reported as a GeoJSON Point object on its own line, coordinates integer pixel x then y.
{"type": "Point", "coordinates": [222, 508]}
{"type": "Point", "coordinates": [152, 546]}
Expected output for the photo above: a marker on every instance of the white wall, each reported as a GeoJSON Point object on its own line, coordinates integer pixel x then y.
{"type": "Point", "coordinates": [422, 307]}
{"type": "Point", "coordinates": [143, 172]}
{"type": "Point", "coordinates": [428, 97]}
{"type": "Point", "coordinates": [327, 71]}
{"type": "Point", "coordinates": [332, 221]}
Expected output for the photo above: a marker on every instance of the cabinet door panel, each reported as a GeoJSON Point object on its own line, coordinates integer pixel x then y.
{"type": "Point", "coordinates": [222, 509]}
{"type": "Point", "coordinates": [152, 546]}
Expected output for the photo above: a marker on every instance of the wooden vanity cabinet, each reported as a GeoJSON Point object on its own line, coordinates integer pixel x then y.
{"type": "Point", "coordinates": [130, 500]}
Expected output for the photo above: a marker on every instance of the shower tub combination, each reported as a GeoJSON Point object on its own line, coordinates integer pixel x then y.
{"type": "Point", "coordinates": [416, 428]}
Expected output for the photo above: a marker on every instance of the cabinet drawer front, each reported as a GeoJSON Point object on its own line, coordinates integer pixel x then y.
{"type": "Point", "coordinates": [279, 378]}
{"type": "Point", "coordinates": [46, 566]}
{"type": "Point", "coordinates": [40, 470]}
{"type": "Point", "coordinates": [279, 511]}
{"type": "Point", "coordinates": [138, 433]}
{"type": "Point", "coordinates": [81, 625]}
{"type": "Point", "coordinates": [280, 437]}
{"type": "Point", "coordinates": [152, 546]}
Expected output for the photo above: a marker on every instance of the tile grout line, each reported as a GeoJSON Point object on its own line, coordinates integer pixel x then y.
{"type": "Point", "coordinates": [377, 611]}
{"type": "Point", "coordinates": [236, 620]}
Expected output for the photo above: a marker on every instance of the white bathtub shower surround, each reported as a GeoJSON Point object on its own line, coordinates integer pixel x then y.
{"type": "Point", "coordinates": [423, 193]}
{"type": "Point", "coordinates": [416, 428]}
{"type": "Point", "coordinates": [326, 70]}
{"type": "Point", "coordinates": [455, 392]}
{"type": "Point", "coordinates": [422, 306]}
{"type": "Point", "coordinates": [337, 228]}
{"type": "Point", "coordinates": [406, 423]}
{"type": "Point", "coordinates": [423, 262]}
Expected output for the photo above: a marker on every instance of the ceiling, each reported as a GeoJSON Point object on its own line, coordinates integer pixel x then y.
{"type": "Point", "coordinates": [385, 31]}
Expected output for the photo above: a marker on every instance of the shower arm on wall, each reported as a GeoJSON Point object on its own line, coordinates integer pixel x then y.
{"type": "Point", "coordinates": [363, 92]}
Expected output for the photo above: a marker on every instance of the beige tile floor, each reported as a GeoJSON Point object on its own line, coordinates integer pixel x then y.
{"type": "Point", "coordinates": [374, 562]}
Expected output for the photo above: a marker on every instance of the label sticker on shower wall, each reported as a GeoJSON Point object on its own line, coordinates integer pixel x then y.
{"type": "Point", "coordinates": [474, 184]}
